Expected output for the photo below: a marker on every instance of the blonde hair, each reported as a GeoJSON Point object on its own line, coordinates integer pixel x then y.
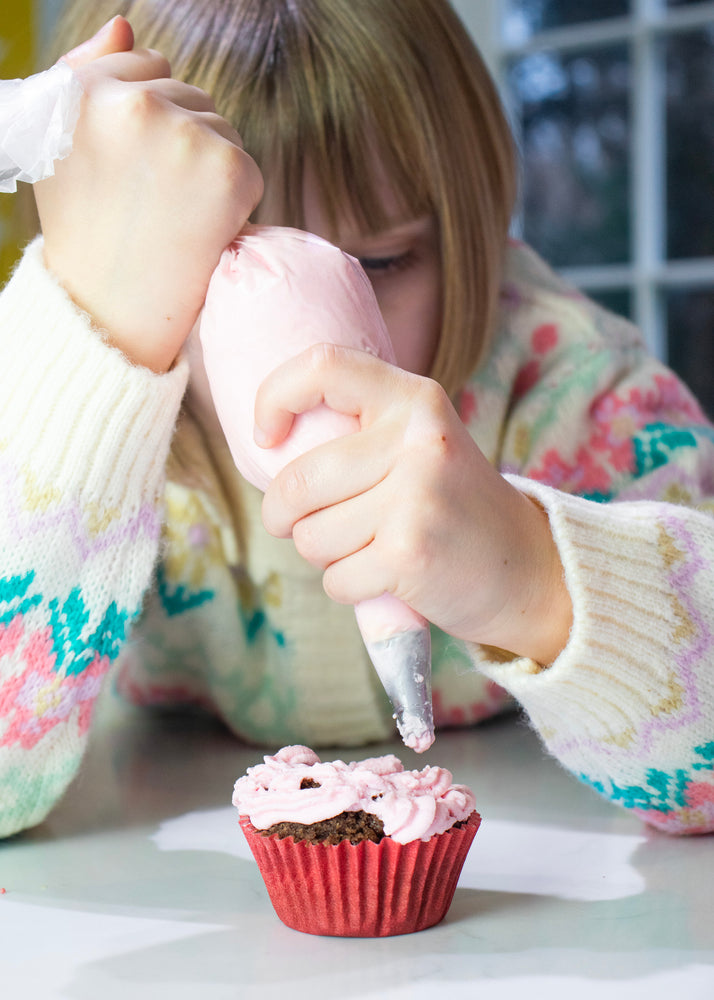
{"type": "Point", "coordinates": [323, 82]}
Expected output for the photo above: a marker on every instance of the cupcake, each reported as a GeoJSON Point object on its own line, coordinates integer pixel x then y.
{"type": "Point", "coordinates": [364, 849]}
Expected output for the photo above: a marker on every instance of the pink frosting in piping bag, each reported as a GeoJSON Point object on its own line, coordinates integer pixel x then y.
{"type": "Point", "coordinates": [275, 292]}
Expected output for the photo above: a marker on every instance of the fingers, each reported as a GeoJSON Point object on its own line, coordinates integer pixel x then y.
{"type": "Point", "coordinates": [357, 578]}
{"type": "Point", "coordinates": [367, 545]}
{"type": "Point", "coordinates": [349, 381]}
{"type": "Point", "coordinates": [327, 477]}
{"type": "Point", "coordinates": [337, 532]}
{"type": "Point", "coordinates": [154, 167]}
{"type": "Point", "coordinates": [131, 66]}
{"type": "Point", "coordinates": [186, 96]}
{"type": "Point", "coordinates": [115, 36]}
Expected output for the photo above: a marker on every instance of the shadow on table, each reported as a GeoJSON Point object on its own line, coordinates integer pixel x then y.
{"type": "Point", "coordinates": [487, 938]}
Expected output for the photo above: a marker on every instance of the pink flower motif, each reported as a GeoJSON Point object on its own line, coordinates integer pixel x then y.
{"type": "Point", "coordinates": [39, 698]}
{"type": "Point", "coordinates": [544, 338]}
{"type": "Point", "coordinates": [700, 793]}
{"type": "Point", "coordinates": [467, 406]}
{"type": "Point", "coordinates": [690, 820]}
{"type": "Point", "coordinates": [450, 717]}
{"type": "Point", "coordinates": [617, 418]}
{"type": "Point", "coordinates": [526, 378]}
{"type": "Point", "coordinates": [672, 397]}
{"type": "Point", "coordinates": [149, 693]}
{"type": "Point", "coordinates": [584, 475]}
{"type": "Point", "coordinates": [10, 636]}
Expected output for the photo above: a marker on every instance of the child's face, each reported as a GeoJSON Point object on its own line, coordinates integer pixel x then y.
{"type": "Point", "coordinates": [403, 264]}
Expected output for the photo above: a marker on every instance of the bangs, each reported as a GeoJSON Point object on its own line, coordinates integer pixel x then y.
{"type": "Point", "coordinates": [332, 103]}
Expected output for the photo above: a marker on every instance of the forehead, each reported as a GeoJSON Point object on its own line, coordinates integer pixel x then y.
{"type": "Point", "coordinates": [348, 223]}
{"type": "Point", "coordinates": [347, 174]}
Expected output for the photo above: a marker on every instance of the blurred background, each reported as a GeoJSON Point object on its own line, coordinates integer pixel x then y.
{"type": "Point", "coordinates": [612, 103]}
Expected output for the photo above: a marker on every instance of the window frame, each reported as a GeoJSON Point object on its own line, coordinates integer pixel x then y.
{"type": "Point", "coordinates": [648, 275]}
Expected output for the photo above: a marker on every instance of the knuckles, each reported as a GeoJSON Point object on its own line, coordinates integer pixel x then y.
{"type": "Point", "coordinates": [407, 545]}
{"type": "Point", "coordinates": [322, 358]}
{"type": "Point", "coordinates": [307, 541]}
{"type": "Point", "coordinates": [285, 500]}
{"type": "Point", "coordinates": [335, 588]}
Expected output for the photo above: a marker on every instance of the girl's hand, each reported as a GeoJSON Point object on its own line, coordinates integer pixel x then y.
{"type": "Point", "coordinates": [410, 505]}
{"type": "Point", "coordinates": [156, 186]}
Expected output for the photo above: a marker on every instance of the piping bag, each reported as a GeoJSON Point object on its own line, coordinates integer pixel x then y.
{"type": "Point", "coordinates": [274, 293]}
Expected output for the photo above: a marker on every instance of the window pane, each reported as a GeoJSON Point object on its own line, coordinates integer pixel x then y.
{"type": "Point", "coordinates": [690, 324]}
{"type": "Point", "coordinates": [617, 300]}
{"type": "Point", "coordinates": [690, 143]}
{"type": "Point", "coordinates": [524, 18]}
{"type": "Point", "coordinates": [573, 110]}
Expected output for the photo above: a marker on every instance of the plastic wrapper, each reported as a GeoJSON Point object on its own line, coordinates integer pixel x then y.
{"type": "Point", "coordinates": [37, 120]}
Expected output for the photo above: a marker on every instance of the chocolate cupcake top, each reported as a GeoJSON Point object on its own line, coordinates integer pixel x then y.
{"type": "Point", "coordinates": [295, 786]}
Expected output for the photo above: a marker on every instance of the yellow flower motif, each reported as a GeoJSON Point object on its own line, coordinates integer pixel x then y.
{"type": "Point", "coordinates": [49, 696]}
{"type": "Point", "coordinates": [676, 493]}
{"type": "Point", "coordinates": [192, 538]}
{"type": "Point", "coordinates": [521, 442]}
{"type": "Point", "coordinates": [273, 591]}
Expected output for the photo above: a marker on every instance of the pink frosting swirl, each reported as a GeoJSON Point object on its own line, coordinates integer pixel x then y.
{"type": "Point", "coordinates": [412, 805]}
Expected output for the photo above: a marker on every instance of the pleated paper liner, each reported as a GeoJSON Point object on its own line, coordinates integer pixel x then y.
{"type": "Point", "coordinates": [365, 889]}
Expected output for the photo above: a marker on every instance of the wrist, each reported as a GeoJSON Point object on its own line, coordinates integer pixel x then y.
{"type": "Point", "coordinates": [144, 336]}
{"type": "Point", "coordinates": [536, 620]}
{"type": "Point", "coordinates": [549, 616]}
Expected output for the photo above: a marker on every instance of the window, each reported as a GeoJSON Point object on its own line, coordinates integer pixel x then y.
{"type": "Point", "coordinates": [612, 102]}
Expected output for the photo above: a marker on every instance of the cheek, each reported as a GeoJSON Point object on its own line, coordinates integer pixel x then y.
{"type": "Point", "coordinates": [412, 313]}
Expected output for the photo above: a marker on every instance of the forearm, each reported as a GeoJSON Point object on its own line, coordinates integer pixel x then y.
{"type": "Point", "coordinates": [84, 442]}
{"type": "Point", "coordinates": [628, 705]}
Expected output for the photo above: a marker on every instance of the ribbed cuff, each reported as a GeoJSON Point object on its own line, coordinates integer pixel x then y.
{"type": "Point", "coordinates": [76, 411]}
{"type": "Point", "coordinates": [618, 670]}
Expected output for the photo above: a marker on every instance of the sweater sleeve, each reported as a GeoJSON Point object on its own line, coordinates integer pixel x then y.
{"type": "Point", "coordinates": [621, 458]}
{"type": "Point", "coordinates": [84, 437]}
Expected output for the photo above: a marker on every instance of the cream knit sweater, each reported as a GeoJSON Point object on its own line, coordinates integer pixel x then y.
{"type": "Point", "coordinates": [103, 560]}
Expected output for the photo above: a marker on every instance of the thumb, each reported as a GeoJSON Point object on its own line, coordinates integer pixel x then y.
{"type": "Point", "coordinates": [115, 36]}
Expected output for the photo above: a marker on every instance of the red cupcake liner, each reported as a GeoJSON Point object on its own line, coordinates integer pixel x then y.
{"type": "Point", "coordinates": [365, 889]}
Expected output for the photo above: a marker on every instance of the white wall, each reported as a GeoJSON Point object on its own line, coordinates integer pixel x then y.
{"type": "Point", "coordinates": [480, 17]}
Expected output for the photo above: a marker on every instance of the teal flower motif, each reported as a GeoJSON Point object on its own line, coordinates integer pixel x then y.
{"type": "Point", "coordinates": [73, 648]}
{"type": "Point", "coordinates": [177, 600]}
{"type": "Point", "coordinates": [656, 443]}
{"type": "Point", "coordinates": [14, 599]}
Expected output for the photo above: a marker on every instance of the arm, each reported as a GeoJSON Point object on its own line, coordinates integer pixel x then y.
{"type": "Point", "coordinates": [133, 222]}
{"type": "Point", "coordinates": [627, 706]}
{"type": "Point", "coordinates": [408, 505]}
{"type": "Point", "coordinates": [82, 454]}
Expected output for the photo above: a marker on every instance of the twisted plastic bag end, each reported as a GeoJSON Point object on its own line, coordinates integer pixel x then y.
{"type": "Point", "coordinates": [37, 120]}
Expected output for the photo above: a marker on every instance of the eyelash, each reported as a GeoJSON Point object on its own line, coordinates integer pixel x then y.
{"type": "Point", "coordinates": [387, 265]}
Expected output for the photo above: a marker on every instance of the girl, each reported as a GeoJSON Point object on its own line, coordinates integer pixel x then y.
{"type": "Point", "coordinates": [528, 479]}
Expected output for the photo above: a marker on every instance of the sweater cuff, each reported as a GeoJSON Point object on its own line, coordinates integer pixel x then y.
{"type": "Point", "coordinates": [618, 668]}
{"type": "Point", "coordinates": [77, 412]}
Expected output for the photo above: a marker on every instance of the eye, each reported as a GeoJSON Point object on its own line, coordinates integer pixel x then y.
{"type": "Point", "coordinates": [385, 265]}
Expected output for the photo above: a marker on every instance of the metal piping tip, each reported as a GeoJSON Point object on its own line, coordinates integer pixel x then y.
{"type": "Point", "coordinates": [403, 663]}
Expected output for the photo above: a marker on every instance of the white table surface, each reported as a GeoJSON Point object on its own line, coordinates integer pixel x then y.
{"type": "Point", "coordinates": [140, 886]}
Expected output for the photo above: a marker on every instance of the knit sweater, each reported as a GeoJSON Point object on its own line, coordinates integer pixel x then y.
{"type": "Point", "coordinates": [109, 564]}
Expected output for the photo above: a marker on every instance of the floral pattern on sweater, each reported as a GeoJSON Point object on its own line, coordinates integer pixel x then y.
{"type": "Point", "coordinates": [104, 560]}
